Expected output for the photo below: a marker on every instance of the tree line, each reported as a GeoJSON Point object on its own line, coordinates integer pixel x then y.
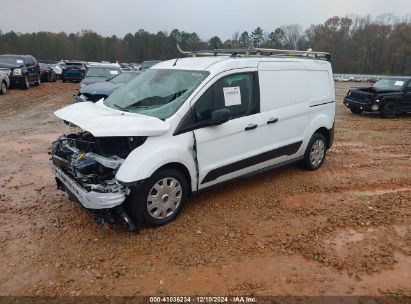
{"type": "Point", "coordinates": [363, 45]}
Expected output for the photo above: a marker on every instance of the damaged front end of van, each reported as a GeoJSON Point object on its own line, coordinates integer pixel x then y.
{"type": "Point", "coordinates": [85, 163]}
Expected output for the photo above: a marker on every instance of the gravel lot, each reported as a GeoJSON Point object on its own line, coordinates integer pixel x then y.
{"type": "Point", "coordinates": [343, 230]}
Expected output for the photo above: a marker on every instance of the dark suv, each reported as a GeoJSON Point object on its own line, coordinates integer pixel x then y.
{"type": "Point", "coordinates": [22, 69]}
{"type": "Point", "coordinates": [388, 96]}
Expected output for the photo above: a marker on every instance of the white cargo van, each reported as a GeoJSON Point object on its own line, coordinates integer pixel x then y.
{"type": "Point", "coordinates": [191, 123]}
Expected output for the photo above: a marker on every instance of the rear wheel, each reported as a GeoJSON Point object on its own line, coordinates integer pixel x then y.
{"type": "Point", "coordinates": [160, 199]}
{"type": "Point", "coordinates": [3, 87]}
{"type": "Point", "coordinates": [389, 110]}
{"type": "Point", "coordinates": [314, 155]}
{"type": "Point", "coordinates": [356, 111]}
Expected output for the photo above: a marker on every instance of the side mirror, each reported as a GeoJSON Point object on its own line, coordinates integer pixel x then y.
{"type": "Point", "coordinates": [221, 116]}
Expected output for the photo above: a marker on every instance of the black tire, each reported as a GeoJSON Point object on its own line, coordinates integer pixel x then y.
{"type": "Point", "coordinates": [311, 152]}
{"type": "Point", "coordinates": [3, 88]}
{"type": "Point", "coordinates": [389, 109]}
{"type": "Point", "coordinates": [356, 111]}
{"type": "Point", "coordinates": [137, 203]}
{"type": "Point", "coordinates": [26, 83]}
{"type": "Point", "coordinates": [64, 80]}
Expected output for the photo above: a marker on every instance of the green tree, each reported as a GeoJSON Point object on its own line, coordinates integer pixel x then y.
{"type": "Point", "coordinates": [257, 37]}
{"type": "Point", "coordinates": [215, 43]}
{"type": "Point", "coordinates": [244, 40]}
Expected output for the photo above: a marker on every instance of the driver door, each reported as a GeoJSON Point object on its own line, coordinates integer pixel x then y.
{"type": "Point", "coordinates": [226, 151]}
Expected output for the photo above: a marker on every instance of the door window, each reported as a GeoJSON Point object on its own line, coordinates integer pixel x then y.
{"type": "Point", "coordinates": [30, 62]}
{"type": "Point", "coordinates": [237, 92]}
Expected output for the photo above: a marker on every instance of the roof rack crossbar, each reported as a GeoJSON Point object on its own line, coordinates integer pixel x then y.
{"type": "Point", "coordinates": [257, 52]}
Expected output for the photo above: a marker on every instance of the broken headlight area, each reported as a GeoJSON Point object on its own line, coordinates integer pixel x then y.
{"type": "Point", "coordinates": [93, 161]}
{"type": "Point", "coordinates": [85, 167]}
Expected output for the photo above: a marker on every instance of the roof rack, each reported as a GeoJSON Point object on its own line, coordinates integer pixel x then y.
{"type": "Point", "coordinates": [259, 52]}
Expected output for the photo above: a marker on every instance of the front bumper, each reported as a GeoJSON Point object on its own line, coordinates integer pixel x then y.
{"type": "Point", "coordinates": [17, 79]}
{"type": "Point", "coordinates": [89, 199]}
{"type": "Point", "coordinates": [359, 105]}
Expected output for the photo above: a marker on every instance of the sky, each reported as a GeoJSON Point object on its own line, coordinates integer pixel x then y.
{"type": "Point", "coordinates": [205, 17]}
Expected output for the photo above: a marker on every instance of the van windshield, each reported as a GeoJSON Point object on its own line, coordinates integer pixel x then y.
{"type": "Point", "coordinates": [157, 93]}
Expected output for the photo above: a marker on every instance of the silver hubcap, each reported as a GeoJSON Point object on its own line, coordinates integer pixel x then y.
{"type": "Point", "coordinates": [317, 152]}
{"type": "Point", "coordinates": [3, 88]}
{"type": "Point", "coordinates": [164, 198]}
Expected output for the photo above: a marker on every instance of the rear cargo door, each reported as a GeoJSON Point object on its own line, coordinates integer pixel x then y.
{"type": "Point", "coordinates": [284, 109]}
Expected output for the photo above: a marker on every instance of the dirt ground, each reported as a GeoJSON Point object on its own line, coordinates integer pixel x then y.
{"type": "Point", "coordinates": [342, 230]}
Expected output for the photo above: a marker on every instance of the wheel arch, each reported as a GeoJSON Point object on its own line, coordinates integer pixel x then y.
{"type": "Point", "coordinates": [327, 134]}
{"type": "Point", "coordinates": [180, 168]}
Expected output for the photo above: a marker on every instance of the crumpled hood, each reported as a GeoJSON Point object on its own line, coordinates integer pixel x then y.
{"type": "Point", "coordinates": [101, 88]}
{"type": "Point", "coordinates": [102, 121]}
{"type": "Point", "coordinates": [90, 80]}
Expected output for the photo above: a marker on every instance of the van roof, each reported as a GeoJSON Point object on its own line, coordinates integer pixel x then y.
{"type": "Point", "coordinates": [214, 63]}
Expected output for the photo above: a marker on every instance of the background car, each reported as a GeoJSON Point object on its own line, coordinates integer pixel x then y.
{"type": "Point", "coordinates": [100, 73]}
{"type": "Point", "coordinates": [148, 64]}
{"type": "Point", "coordinates": [73, 71]}
{"type": "Point", "coordinates": [47, 73]}
{"type": "Point", "coordinates": [22, 69]}
{"type": "Point", "coordinates": [94, 92]}
{"type": "Point", "coordinates": [4, 82]}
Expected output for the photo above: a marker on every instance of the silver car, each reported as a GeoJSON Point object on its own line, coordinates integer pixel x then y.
{"type": "Point", "coordinates": [4, 82]}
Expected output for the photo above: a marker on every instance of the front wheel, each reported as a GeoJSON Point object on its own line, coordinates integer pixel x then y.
{"type": "Point", "coordinates": [314, 155]}
{"type": "Point", "coordinates": [389, 110]}
{"type": "Point", "coordinates": [26, 83]}
{"type": "Point", "coordinates": [38, 81]}
{"type": "Point", "coordinates": [3, 88]}
{"type": "Point", "coordinates": [160, 199]}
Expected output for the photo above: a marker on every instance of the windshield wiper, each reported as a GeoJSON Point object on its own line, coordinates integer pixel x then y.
{"type": "Point", "coordinates": [120, 108]}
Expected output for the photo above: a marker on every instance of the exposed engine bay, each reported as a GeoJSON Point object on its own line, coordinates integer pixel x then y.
{"type": "Point", "coordinates": [85, 167]}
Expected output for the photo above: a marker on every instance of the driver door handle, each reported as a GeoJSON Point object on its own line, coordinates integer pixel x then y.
{"type": "Point", "coordinates": [272, 121]}
{"type": "Point", "coordinates": [251, 127]}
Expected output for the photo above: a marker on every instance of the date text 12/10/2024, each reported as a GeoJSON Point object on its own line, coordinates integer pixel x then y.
{"type": "Point", "coordinates": [203, 299]}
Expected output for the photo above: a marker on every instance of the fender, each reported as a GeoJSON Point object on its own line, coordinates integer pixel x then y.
{"type": "Point", "coordinates": [157, 152]}
{"type": "Point", "coordinates": [319, 120]}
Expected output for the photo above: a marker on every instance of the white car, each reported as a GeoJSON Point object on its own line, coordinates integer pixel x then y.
{"type": "Point", "coordinates": [191, 123]}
